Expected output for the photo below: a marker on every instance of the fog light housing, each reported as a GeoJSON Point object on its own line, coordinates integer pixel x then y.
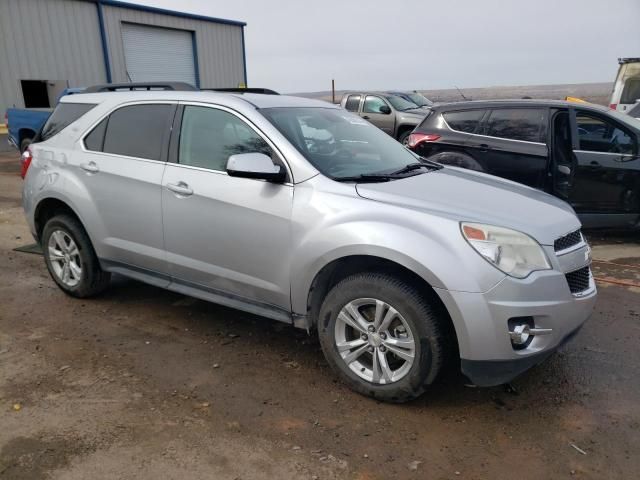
{"type": "Point", "coordinates": [522, 330]}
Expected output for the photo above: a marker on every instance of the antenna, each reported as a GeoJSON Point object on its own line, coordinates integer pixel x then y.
{"type": "Point", "coordinates": [461, 94]}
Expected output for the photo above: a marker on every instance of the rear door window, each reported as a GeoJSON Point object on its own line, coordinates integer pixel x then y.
{"type": "Point", "coordinates": [95, 140]}
{"type": "Point", "coordinates": [352, 103]}
{"type": "Point", "coordinates": [596, 134]}
{"type": "Point", "coordinates": [464, 121]}
{"type": "Point", "coordinates": [524, 124]}
{"type": "Point", "coordinates": [138, 131]}
{"type": "Point", "coordinates": [63, 116]}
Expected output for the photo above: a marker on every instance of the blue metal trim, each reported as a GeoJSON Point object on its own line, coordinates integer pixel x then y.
{"type": "Point", "coordinates": [195, 58]}
{"type": "Point", "coordinates": [244, 59]}
{"type": "Point", "coordinates": [163, 11]}
{"type": "Point", "coordinates": [103, 39]}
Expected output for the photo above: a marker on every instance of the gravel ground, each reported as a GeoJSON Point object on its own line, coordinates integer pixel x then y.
{"type": "Point", "coordinates": [142, 383]}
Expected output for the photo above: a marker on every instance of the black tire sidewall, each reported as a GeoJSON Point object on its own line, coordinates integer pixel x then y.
{"type": "Point", "coordinates": [88, 260]}
{"type": "Point", "coordinates": [24, 144]}
{"type": "Point", "coordinates": [403, 136]}
{"type": "Point", "coordinates": [421, 319]}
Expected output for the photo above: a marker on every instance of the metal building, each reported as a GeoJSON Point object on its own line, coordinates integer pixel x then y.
{"type": "Point", "coordinates": [49, 45]}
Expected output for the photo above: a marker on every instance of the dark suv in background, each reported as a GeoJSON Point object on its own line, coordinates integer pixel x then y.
{"type": "Point", "coordinates": [582, 153]}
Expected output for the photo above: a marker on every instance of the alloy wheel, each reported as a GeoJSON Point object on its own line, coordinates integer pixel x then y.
{"type": "Point", "coordinates": [375, 341]}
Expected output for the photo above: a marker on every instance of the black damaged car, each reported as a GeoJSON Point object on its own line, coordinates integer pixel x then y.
{"type": "Point", "coordinates": [583, 153]}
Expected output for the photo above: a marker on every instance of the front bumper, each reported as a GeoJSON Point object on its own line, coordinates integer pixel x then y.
{"type": "Point", "coordinates": [481, 319]}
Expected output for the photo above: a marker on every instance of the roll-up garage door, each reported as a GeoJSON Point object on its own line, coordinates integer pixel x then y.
{"type": "Point", "coordinates": [158, 54]}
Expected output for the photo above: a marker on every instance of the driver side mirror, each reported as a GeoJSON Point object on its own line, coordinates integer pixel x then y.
{"type": "Point", "coordinates": [385, 109]}
{"type": "Point", "coordinates": [255, 165]}
{"type": "Point", "coordinates": [563, 169]}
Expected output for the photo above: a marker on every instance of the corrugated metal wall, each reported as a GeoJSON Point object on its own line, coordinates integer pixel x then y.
{"type": "Point", "coordinates": [219, 46]}
{"type": "Point", "coordinates": [47, 40]}
{"type": "Point", "coordinates": [60, 40]}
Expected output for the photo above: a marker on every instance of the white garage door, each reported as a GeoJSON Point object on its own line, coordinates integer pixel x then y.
{"type": "Point", "coordinates": [158, 54]}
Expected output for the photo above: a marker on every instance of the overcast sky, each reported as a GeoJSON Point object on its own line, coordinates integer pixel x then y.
{"type": "Point", "coordinates": [300, 45]}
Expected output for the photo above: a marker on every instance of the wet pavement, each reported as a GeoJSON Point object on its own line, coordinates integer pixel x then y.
{"type": "Point", "coordinates": [145, 383]}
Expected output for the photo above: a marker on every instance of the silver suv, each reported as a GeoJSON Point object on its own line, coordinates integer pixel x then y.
{"type": "Point", "coordinates": [299, 211]}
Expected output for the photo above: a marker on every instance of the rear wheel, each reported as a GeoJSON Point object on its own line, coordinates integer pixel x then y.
{"type": "Point", "coordinates": [70, 258]}
{"type": "Point", "coordinates": [382, 337]}
{"type": "Point", "coordinates": [24, 144]}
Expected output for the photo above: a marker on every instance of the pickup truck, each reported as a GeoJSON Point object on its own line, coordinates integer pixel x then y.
{"type": "Point", "coordinates": [391, 114]}
{"type": "Point", "coordinates": [23, 124]}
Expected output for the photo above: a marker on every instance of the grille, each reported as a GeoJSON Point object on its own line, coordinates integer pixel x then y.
{"type": "Point", "coordinates": [568, 241]}
{"type": "Point", "coordinates": [578, 280]}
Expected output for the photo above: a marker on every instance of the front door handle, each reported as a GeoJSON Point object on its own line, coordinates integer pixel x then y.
{"type": "Point", "coordinates": [483, 147]}
{"type": "Point", "coordinates": [366, 117]}
{"type": "Point", "coordinates": [594, 163]}
{"type": "Point", "coordinates": [180, 188]}
{"type": "Point", "coordinates": [90, 167]}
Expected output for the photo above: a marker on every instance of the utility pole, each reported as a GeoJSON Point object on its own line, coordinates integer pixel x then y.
{"type": "Point", "coordinates": [333, 91]}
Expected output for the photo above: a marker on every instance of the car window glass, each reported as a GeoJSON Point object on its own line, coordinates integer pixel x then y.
{"type": "Point", "coordinates": [466, 121]}
{"type": "Point", "coordinates": [631, 91]}
{"type": "Point", "coordinates": [338, 143]}
{"type": "Point", "coordinates": [352, 103]}
{"type": "Point", "coordinates": [372, 104]}
{"type": "Point", "coordinates": [95, 140]}
{"type": "Point", "coordinates": [596, 134]}
{"type": "Point", "coordinates": [210, 136]}
{"type": "Point", "coordinates": [63, 116]}
{"type": "Point", "coordinates": [138, 131]}
{"type": "Point", "coordinates": [517, 123]}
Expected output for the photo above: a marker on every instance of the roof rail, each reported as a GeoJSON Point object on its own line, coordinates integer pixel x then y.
{"type": "Point", "coordinates": [115, 87]}
{"type": "Point", "coordinates": [264, 91]}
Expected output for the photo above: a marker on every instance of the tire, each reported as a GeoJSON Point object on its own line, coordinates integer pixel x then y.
{"type": "Point", "coordinates": [457, 159]}
{"type": "Point", "coordinates": [419, 319]}
{"type": "Point", "coordinates": [24, 144]}
{"type": "Point", "coordinates": [403, 138]}
{"type": "Point", "coordinates": [59, 235]}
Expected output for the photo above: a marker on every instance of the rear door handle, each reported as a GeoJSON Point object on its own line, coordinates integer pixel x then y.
{"type": "Point", "coordinates": [181, 188]}
{"type": "Point", "coordinates": [90, 167]}
{"type": "Point", "coordinates": [366, 117]}
{"type": "Point", "coordinates": [483, 147]}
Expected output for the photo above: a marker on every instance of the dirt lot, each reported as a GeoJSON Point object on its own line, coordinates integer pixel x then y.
{"type": "Point", "coordinates": [143, 383]}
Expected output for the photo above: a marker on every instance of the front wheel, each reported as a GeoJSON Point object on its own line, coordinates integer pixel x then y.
{"type": "Point", "coordinates": [403, 138]}
{"type": "Point", "coordinates": [382, 336]}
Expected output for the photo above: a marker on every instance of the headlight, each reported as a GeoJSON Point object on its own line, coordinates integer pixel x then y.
{"type": "Point", "coordinates": [512, 252]}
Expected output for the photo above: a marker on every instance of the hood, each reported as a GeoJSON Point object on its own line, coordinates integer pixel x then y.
{"type": "Point", "coordinates": [413, 116]}
{"type": "Point", "coordinates": [463, 195]}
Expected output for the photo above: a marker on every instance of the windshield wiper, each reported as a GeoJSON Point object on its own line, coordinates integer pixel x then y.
{"type": "Point", "coordinates": [368, 178]}
{"type": "Point", "coordinates": [415, 166]}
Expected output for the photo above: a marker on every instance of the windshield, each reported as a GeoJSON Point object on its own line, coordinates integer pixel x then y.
{"type": "Point", "coordinates": [400, 103]}
{"type": "Point", "coordinates": [338, 143]}
{"type": "Point", "coordinates": [420, 100]}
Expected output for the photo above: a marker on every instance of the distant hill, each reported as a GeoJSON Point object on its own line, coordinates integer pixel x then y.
{"type": "Point", "coordinates": [591, 92]}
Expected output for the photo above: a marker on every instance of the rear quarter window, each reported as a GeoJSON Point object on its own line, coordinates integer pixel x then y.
{"type": "Point", "coordinates": [63, 116]}
{"type": "Point", "coordinates": [466, 121]}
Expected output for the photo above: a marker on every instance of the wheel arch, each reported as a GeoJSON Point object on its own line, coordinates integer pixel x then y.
{"type": "Point", "coordinates": [49, 207]}
{"type": "Point", "coordinates": [339, 268]}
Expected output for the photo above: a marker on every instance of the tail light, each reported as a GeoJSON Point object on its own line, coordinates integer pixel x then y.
{"type": "Point", "coordinates": [25, 161]}
{"type": "Point", "coordinates": [613, 106]}
{"type": "Point", "coordinates": [416, 139]}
